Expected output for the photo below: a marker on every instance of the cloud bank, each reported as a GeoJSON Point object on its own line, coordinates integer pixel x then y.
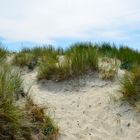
{"type": "Point", "coordinates": [44, 21]}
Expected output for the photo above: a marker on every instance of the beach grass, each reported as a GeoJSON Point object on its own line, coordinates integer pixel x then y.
{"type": "Point", "coordinates": [31, 57]}
{"type": "Point", "coordinates": [80, 58]}
{"type": "Point", "coordinates": [77, 60]}
{"type": "Point", "coordinates": [3, 52]}
{"type": "Point", "coordinates": [17, 123]}
{"type": "Point", "coordinates": [130, 86]}
{"type": "Point", "coordinates": [84, 57]}
{"type": "Point", "coordinates": [10, 116]}
{"type": "Point", "coordinates": [23, 59]}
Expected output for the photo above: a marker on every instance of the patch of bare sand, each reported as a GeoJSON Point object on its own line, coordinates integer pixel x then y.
{"type": "Point", "coordinates": [85, 109]}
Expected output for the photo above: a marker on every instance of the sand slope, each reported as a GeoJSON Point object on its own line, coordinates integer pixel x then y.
{"type": "Point", "coordinates": [85, 109]}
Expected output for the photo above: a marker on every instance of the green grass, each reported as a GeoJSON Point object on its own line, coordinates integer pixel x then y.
{"type": "Point", "coordinates": [31, 57]}
{"type": "Point", "coordinates": [23, 59]}
{"type": "Point", "coordinates": [128, 57]}
{"type": "Point", "coordinates": [107, 50]}
{"type": "Point", "coordinates": [84, 57]}
{"type": "Point", "coordinates": [78, 60]}
{"type": "Point", "coordinates": [130, 86]}
{"type": "Point", "coordinates": [10, 84]}
{"type": "Point", "coordinates": [21, 124]}
{"type": "Point", "coordinates": [3, 52]}
{"type": "Point", "coordinates": [50, 69]}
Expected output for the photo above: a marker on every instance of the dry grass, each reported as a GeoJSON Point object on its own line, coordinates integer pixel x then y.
{"type": "Point", "coordinates": [47, 129]}
{"type": "Point", "coordinates": [108, 68]}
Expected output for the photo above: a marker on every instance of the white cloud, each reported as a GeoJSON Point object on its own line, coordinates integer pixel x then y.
{"type": "Point", "coordinates": [43, 20]}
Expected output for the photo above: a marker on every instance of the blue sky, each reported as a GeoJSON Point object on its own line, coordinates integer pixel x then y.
{"type": "Point", "coordinates": [61, 22]}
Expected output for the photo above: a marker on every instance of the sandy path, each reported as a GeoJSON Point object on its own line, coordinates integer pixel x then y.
{"type": "Point", "coordinates": [84, 109]}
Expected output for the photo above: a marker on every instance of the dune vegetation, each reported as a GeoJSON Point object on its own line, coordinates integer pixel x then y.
{"type": "Point", "coordinates": [130, 86]}
{"type": "Point", "coordinates": [3, 52]}
{"type": "Point", "coordinates": [59, 64]}
{"type": "Point", "coordinates": [21, 123]}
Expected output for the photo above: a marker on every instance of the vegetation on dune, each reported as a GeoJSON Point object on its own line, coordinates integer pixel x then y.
{"type": "Point", "coordinates": [130, 86]}
{"type": "Point", "coordinates": [23, 59]}
{"type": "Point", "coordinates": [58, 64]}
{"type": "Point", "coordinates": [107, 50]}
{"type": "Point", "coordinates": [9, 115]}
{"type": "Point", "coordinates": [128, 57]}
{"type": "Point", "coordinates": [31, 57]}
{"type": "Point", "coordinates": [84, 57]}
{"type": "Point", "coordinates": [3, 52]}
{"type": "Point", "coordinates": [51, 70]}
{"type": "Point", "coordinates": [42, 124]}
{"type": "Point", "coordinates": [21, 124]}
{"type": "Point", "coordinates": [78, 60]}
{"type": "Point", "coordinates": [108, 68]}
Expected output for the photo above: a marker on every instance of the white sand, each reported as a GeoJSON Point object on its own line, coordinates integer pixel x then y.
{"type": "Point", "coordinates": [85, 109]}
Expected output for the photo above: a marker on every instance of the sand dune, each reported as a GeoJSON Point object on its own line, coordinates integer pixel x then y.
{"type": "Point", "coordinates": [85, 108]}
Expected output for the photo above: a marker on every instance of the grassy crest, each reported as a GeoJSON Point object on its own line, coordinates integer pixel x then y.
{"type": "Point", "coordinates": [128, 57]}
{"type": "Point", "coordinates": [107, 50]}
{"type": "Point", "coordinates": [31, 57]}
{"type": "Point", "coordinates": [78, 60]}
{"type": "Point", "coordinates": [83, 58]}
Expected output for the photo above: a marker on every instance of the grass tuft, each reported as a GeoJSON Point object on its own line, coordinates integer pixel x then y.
{"type": "Point", "coordinates": [130, 86]}
{"type": "Point", "coordinates": [3, 52]}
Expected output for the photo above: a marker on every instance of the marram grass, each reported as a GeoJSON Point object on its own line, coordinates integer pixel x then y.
{"type": "Point", "coordinates": [21, 124]}
{"type": "Point", "coordinates": [10, 116]}
{"type": "Point", "coordinates": [130, 86]}
{"type": "Point", "coordinates": [78, 60]}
